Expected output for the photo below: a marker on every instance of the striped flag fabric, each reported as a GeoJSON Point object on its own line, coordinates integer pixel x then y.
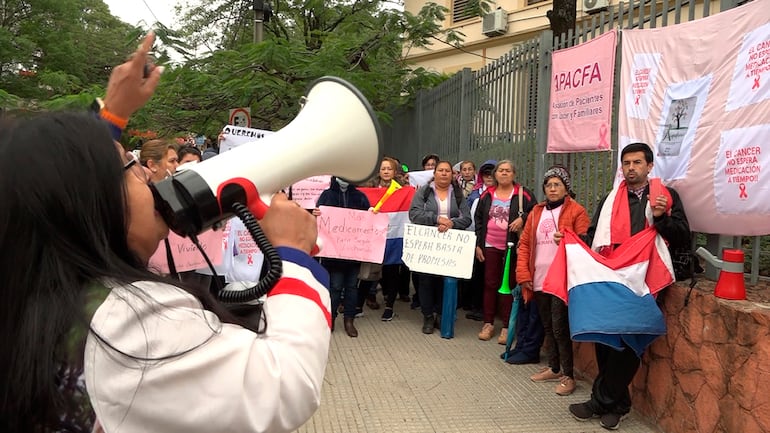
{"type": "Point", "coordinates": [611, 299]}
{"type": "Point", "coordinates": [397, 209]}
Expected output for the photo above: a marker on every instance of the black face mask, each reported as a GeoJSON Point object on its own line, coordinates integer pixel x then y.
{"type": "Point", "coordinates": [554, 204]}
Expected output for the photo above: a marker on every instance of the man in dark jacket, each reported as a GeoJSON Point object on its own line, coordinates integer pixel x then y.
{"type": "Point", "coordinates": [636, 203]}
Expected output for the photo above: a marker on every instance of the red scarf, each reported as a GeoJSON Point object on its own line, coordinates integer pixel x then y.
{"type": "Point", "coordinates": [621, 214]}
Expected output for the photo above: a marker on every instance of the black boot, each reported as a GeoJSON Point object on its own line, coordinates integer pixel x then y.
{"type": "Point", "coordinates": [350, 328]}
{"type": "Point", "coordinates": [437, 322]}
{"type": "Point", "coordinates": [427, 324]}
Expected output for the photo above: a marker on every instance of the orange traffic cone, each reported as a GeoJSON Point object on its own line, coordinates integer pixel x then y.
{"type": "Point", "coordinates": [730, 284]}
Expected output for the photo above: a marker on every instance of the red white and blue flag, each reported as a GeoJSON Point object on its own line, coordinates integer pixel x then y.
{"type": "Point", "coordinates": [611, 299]}
{"type": "Point", "coordinates": [396, 207]}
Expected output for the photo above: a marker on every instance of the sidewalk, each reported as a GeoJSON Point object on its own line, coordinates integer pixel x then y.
{"type": "Point", "coordinates": [394, 378]}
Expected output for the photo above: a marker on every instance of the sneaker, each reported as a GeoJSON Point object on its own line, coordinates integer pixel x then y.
{"type": "Point", "coordinates": [582, 411]}
{"type": "Point", "coordinates": [566, 386]}
{"type": "Point", "coordinates": [611, 421]}
{"type": "Point", "coordinates": [359, 313]}
{"type": "Point", "coordinates": [503, 338]}
{"type": "Point", "coordinates": [546, 375]}
{"type": "Point", "coordinates": [387, 315]}
{"type": "Point", "coordinates": [427, 324]}
{"type": "Point", "coordinates": [486, 332]}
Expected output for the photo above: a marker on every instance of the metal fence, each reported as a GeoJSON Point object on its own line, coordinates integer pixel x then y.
{"type": "Point", "coordinates": [501, 112]}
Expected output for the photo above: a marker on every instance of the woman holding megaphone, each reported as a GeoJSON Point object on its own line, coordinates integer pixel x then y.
{"type": "Point", "coordinates": [81, 313]}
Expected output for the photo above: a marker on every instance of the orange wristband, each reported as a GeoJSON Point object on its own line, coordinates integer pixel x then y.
{"type": "Point", "coordinates": [118, 121]}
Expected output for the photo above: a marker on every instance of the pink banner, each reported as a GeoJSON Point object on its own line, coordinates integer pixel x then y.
{"type": "Point", "coordinates": [186, 254]}
{"type": "Point", "coordinates": [581, 96]}
{"type": "Point", "coordinates": [352, 234]}
{"type": "Point", "coordinates": [698, 93]}
{"type": "Point", "coordinates": [307, 191]}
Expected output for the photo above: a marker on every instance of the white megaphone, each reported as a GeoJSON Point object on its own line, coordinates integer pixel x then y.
{"type": "Point", "coordinates": [336, 132]}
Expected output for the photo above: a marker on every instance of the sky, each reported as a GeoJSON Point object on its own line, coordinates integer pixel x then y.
{"type": "Point", "coordinates": [134, 11]}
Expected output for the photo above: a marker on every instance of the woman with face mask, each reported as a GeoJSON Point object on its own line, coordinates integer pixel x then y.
{"type": "Point", "coordinates": [343, 274]}
{"type": "Point", "coordinates": [85, 314]}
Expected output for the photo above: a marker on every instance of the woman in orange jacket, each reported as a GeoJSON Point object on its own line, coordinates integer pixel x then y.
{"type": "Point", "coordinates": [537, 248]}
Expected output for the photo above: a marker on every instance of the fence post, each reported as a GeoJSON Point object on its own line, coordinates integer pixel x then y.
{"type": "Point", "coordinates": [545, 50]}
{"type": "Point", "coordinates": [465, 114]}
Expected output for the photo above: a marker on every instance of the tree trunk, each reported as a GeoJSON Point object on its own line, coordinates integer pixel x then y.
{"type": "Point", "coordinates": [563, 16]}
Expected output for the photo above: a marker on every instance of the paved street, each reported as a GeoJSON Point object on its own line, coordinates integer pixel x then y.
{"type": "Point", "coordinates": [393, 378]}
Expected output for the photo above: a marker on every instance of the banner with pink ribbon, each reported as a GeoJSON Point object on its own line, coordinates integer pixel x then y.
{"type": "Point", "coordinates": [699, 94]}
{"type": "Point", "coordinates": [581, 96]}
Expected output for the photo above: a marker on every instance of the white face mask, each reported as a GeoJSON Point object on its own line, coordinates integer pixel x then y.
{"type": "Point", "coordinates": [342, 184]}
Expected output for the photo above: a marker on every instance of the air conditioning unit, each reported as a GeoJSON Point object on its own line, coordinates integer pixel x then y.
{"type": "Point", "coordinates": [495, 23]}
{"type": "Point", "coordinates": [593, 6]}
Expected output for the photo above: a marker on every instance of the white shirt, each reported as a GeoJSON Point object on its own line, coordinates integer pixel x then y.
{"type": "Point", "coordinates": [196, 374]}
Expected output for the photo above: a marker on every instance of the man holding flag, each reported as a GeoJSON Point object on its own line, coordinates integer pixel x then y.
{"type": "Point", "coordinates": [612, 286]}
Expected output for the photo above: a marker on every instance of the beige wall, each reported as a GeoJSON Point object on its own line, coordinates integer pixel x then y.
{"type": "Point", "coordinates": [524, 23]}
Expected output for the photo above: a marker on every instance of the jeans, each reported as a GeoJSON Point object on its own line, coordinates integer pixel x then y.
{"type": "Point", "coordinates": [343, 278]}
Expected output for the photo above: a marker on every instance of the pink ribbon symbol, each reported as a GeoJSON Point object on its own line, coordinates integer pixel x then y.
{"type": "Point", "coordinates": [636, 101]}
{"type": "Point", "coordinates": [249, 261]}
{"type": "Point", "coordinates": [756, 83]}
{"type": "Point", "coordinates": [743, 194]}
{"type": "Point", "coordinates": [603, 137]}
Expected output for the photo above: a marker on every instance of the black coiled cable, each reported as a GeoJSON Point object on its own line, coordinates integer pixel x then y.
{"type": "Point", "coordinates": [273, 260]}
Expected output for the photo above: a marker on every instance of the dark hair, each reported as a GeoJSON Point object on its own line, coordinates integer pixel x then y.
{"type": "Point", "coordinates": [64, 220]}
{"type": "Point", "coordinates": [638, 147]}
{"type": "Point", "coordinates": [189, 150]}
{"type": "Point", "coordinates": [428, 157]}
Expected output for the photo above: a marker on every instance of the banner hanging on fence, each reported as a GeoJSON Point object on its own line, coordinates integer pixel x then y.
{"type": "Point", "coordinates": [449, 254]}
{"type": "Point", "coordinates": [352, 234]}
{"type": "Point", "coordinates": [699, 94]}
{"type": "Point", "coordinates": [581, 96]}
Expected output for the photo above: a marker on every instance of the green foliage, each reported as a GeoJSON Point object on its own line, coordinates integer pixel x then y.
{"type": "Point", "coordinates": [59, 53]}
{"type": "Point", "coordinates": [50, 48]}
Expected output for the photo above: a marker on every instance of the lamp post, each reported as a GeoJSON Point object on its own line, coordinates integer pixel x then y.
{"type": "Point", "coordinates": [262, 14]}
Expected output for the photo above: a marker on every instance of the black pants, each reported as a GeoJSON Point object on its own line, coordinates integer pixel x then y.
{"type": "Point", "coordinates": [616, 371]}
{"type": "Point", "coordinates": [558, 344]}
{"type": "Point", "coordinates": [431, 292]}
{"type": "Point", "coordinates": [393, 277]}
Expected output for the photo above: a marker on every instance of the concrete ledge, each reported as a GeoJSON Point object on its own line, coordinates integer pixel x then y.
{"type": "Point", "coordinates": [710, 373]}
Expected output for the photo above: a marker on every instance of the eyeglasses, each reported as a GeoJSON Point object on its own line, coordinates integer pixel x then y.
{"type": "Point", "coordinates": [135, 167]}
{"type": "Point", "coordinates": [553, 185]}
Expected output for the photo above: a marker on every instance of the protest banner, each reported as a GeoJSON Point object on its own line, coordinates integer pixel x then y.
{"type": "Point", "coordinates": [581, 96]}
{"type": "Point", "coordinates": [306, 191]}
{"type": "Point", "coordinates": [352, 234]}
{"type": "Point", "coordinates": [449, 254]}
{"type": "Point", "coordinates": [706, 120]}
{"type": "Point", "coordinates": [234, 136]}
{"type": "Point", "coordinates": [185, 253]}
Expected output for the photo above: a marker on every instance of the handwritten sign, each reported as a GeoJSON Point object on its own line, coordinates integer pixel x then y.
{"type": "Point", "coordinates": [246, 258]}
{"type": "Point", "coordinates": [751, 77]}
{"type": "Point", "coordinates": [234, 136]}
{"type": "Point", "coordinates": [352, 234]}
{"type": "Point", "coordinates": [449, 254]}
{"type": "Point", "coordinates": [738, 172]}
{"type": "Point", "coordinates": [306, 191]}
{"type": "Point", "coordinates": [186, 254]}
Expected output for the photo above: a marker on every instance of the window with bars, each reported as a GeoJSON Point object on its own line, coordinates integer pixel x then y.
{"type": "Point", "coordinates": [461, 10]}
